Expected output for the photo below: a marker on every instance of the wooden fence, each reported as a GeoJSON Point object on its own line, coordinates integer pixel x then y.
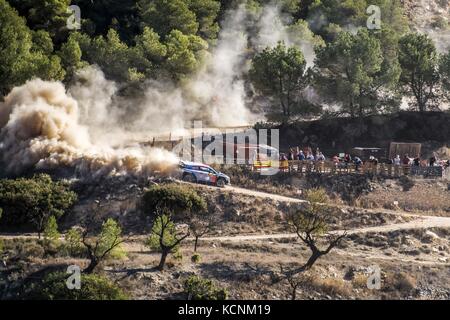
{"type": "Point", "coordinates": [382, 169]}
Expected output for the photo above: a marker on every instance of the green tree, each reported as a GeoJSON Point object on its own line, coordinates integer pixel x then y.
{"type": "Point", "coordinates": [444, 70]}
{"type": "Point", "coordinates": [73, 241]}
{"type": "Point", "coordinates": [33, 201]}
{"type": "Point", "coordinates": [48, 15]}
{"type": "Point", "coordinates": [42, 42]}
{"type": "Point", "coordinates": [165, 237]}
{"type": "Point", "coordinates": [20, 58]}
{"type": "Point", "coordinates": [178, 199]}
{"type": "Point", "coordinates": [419, 62]}
{"type": "Point", "coordinates": [119, 61]}
{"type": "Point", "coordinates": [101, 246]}
{"type": "Point", "coordinates": [51, 234]}
{"type": "Point", "coordinates": [150, 48]}
{"type": "Point", "coordinates": [354, 72]}
{"type": "Point", "coordinates": [99, 16]}
{"type": "Point", "coordinates": [167, 204]}
{"type": "Point", "coordinates": [70, 55]}
{"type": "Point", "coordinates": [165, 16]}
{"type": "Point", "coordinates": [279, 73]}
{"type": "Point", "coordinates": [184, 53]}
{"type": "Point", "coordinates": [206, 12]}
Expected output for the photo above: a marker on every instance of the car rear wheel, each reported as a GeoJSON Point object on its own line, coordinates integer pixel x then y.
{"type": "Point", "coordinates": [221, 183]}
{"type": "Point", "coordinates": [189, 178]}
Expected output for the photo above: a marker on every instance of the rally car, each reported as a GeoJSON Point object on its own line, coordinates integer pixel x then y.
{"type": "Point", "coordinates": [202, 173]}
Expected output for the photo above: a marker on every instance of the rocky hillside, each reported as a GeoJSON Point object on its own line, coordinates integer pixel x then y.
{"type": "Point", "coordinates": [432, 16]}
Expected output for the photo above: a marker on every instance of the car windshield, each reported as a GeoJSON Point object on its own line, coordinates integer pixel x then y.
{"type": "Point", "coordinates": [208, 169]}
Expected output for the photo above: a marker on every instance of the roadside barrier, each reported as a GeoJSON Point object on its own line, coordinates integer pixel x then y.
{"type": "Point", "coordinates": [330, 167]}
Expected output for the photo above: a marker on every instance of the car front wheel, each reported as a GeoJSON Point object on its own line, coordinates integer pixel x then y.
{"type": "Point", "coordinates": [221, 183]}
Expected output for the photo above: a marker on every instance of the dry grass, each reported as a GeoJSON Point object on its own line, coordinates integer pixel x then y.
{"type": "Point", "coordinates": [402, 282]}
{"type": "Point", "coordinates": [360, 281]}
{"type": "Point", "coordinates": [332, 286]}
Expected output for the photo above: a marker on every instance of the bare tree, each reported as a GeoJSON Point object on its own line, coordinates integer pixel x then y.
{"type": "Point", "coordinates": [310, 222]}
{"type": "Point", "coordinates": [200, 225]}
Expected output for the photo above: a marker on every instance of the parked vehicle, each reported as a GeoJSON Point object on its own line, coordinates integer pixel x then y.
{"type": "Point", "coordinates": [202, 173]}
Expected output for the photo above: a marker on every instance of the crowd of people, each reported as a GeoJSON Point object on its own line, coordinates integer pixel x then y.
{"type": "Point", "coordinates": [299, 154]}
{"type": "Point", "coordinates": [307, 154]}
{"type": "Point", "coordinates": [419, 162]}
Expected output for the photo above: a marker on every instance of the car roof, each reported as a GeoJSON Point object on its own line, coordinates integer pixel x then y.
{"type": "Point", "coordinates": [192, 164]}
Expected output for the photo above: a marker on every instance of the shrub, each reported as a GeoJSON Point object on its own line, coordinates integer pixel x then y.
{"type": "Point", "coordinates": [401, 282]}
{"type": "Point", "coordinates": [73, 245]}
{"type": "Point", "coordinates": [31, 249]}
{"type": "Point", "coordinates": [33, 201]}
{"type": "Point", "coordinates": [51, 234]}
{"type": "Point", "coordinates": [406, 182]}
{"type": "Point", "coordinates": [198, 288]}
{"type": "Point", "coordinates": [360, 281]}
{"type": "Point", "coordinates": [174, 198]}
{"type": "Point", "coordinates": [93, 287]}
{"type": "Point", "coordinates": [196, 258]}
{"type": "Point", "coordinates": [333, 286]}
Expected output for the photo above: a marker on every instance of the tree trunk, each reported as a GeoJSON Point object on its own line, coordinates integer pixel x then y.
{"type": "Point", "coordinates": [162, 262]}
{"type": "Point", "coordinates": [195, 244]}
{"type": "Point", "coordinates": [316, 255]}
{"type": "Point", "coordinates": [92, 265]}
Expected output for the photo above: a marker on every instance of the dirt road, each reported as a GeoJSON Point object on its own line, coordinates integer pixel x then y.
{"type": "Point", "coordinates": [420, 221]}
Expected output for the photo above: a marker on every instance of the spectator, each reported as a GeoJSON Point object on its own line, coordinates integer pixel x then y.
{"type": "Point", "coordinates": [373, 160]}
{"type": "Point", "coordinates": [301, 155]}
{"type": "Point", "coordinates": [290, 154]}
{"type": "Point", "coordinates": [347, 158]}
{"type": "Point", "coordinates": [432, 161]}
{"type": "Point", "coordinates": [295, 153]}
{"type": "Point", "coordinates": [406, 160]}
{"type": "Point", "coordinates": [309, 156]}
{"type": "Point", "coordinates": [397, 160]}
{"type": "Point", "coordinates": [320, 156]}
{"type": "Point", "coordinates": [416, 162]}
{"type": "Point", "coordinates": [317, 151]}
{"type": "Point", "coordinates": [358, 163]}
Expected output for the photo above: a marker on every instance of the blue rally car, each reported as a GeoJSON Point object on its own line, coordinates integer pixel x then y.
{"type": "Point", "coordinates": [202, 173]}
